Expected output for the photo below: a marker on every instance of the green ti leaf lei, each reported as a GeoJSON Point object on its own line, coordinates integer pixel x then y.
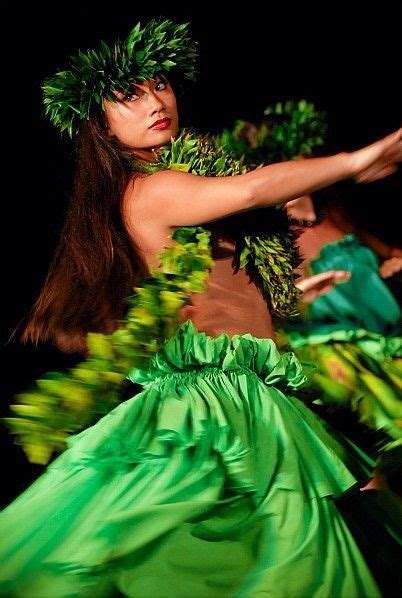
{"type": "Point", "coordinates": [290, 129]}
{"type": "Point", "coordinates": [77, 92]}
{"type": "Point", "coordinates": [270, 256]}
{"type": "Point", "coordinates": [197, 155]}
{"type": "Point", "coordinates": [61, 403]}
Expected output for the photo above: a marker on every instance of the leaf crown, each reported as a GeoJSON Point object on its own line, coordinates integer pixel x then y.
{"type": "Point", "coordinates": [75, 94]}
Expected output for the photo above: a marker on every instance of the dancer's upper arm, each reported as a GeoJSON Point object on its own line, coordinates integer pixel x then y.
{"type": "Point", "coordinates": [176, 198]}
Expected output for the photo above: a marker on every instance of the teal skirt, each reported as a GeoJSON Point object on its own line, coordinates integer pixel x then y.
{"type": "Point", "coordinates": [215, 480]}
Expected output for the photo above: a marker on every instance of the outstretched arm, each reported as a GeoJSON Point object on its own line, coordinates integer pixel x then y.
{"type": "Point", "coordinates": [181, 199]}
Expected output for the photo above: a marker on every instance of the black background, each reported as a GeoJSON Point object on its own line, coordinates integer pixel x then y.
{"type": "Point", "coordinates": [342, 57]}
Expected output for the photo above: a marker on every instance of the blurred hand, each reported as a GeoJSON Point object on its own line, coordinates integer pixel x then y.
{"type": "Point", "coordinates": [320, 284]}
{"type": "Point", "coordinates": [395, 252]}
{"type": "Point", "coordinates": [391, 267]}
{"type": "Point", "coordinates": [377, 160]}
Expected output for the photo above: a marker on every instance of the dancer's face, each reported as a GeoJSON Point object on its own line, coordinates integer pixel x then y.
{"type": "Point", "coordinates": [132, 119]}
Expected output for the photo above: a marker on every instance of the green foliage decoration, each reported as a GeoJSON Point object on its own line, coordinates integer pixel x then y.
{"type": "Point", "coordinates": [347, 376]}
{"type": "Point", "coordinates": [61, 403]}
{"type": "Point", "coordinates": [75, 93]}
{"type": "Point", "coordinates": [290, 129]}
{"type": "Point", "coordinates": [269, 254]}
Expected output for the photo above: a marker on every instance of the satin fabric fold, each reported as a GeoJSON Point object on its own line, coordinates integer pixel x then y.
{"type": "Point", "coordinates": [215, 480]}
{"type": "Point", "coordinates": [363, 302]}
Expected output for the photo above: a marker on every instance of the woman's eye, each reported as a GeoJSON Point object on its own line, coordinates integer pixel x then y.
{"type": "Point", "coordinates": [130, 97]}
{"type": "Point", "coordinates": [160, 85]}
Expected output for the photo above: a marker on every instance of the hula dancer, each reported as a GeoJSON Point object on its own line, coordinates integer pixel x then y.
{"type": "Point", "coordinates": [215, 479]}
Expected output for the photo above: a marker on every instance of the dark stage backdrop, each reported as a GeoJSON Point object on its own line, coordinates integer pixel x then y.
{"type": "Point", "coordinates": [344, 58]}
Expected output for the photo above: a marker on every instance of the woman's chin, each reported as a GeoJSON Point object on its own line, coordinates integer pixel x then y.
{"type": "Point", "coordinates": [163, 136]}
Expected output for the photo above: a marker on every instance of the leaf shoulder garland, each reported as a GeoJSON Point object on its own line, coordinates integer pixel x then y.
{"type": "Point", "coordinates": [62, 403]}
{"type": "Point", "coordinates": [268, 252]}
{"type": "Point", "coordinates": [289, 129]}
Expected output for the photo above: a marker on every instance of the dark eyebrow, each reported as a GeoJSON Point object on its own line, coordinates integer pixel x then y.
{"type": "Point", "coordinates": [131, 89]}
{"type": "Point", "coordinates": [161, 76]}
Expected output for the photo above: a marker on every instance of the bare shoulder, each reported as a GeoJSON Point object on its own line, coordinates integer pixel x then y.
{"type": "Point", "coordinates": [148, 231]}
{"type": "Point", "coordinates": [159, 183]}
{"type": "Point", "coordinates": [145, 194]}
{"type": "Point", "coordinates": [174, 198]}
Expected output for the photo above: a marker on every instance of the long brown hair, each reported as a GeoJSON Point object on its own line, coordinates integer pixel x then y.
{"type": "Point", "coordinates": [96, 264]}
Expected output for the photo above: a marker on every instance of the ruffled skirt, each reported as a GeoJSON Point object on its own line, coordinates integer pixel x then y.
{"type": "Point", "coordinates": [213, 481]}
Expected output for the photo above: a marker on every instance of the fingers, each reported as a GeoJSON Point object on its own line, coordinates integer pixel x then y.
{"type": "Point", "coordinates": [375, 173]}
{"type": "Point", "coordinates": [389, 143]}
{"type": "Point", "coordinates": [333, 276]}
{"type": "Point", "coordinates": [393, 151]}
{"type": "Point", "coordinates": [320, 281]}
{"type": "Point", "coordinates": [342, 275]}
{"type": "Point", "coordinates": [370, 160]}
{"type": "Point", "coordinates": [391, 267]}
{"type": "Point", "coordinates": [392, 140]}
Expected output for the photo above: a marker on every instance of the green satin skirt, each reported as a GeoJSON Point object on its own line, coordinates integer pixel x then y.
{"type": "Point", "coordinates": [215, 480]}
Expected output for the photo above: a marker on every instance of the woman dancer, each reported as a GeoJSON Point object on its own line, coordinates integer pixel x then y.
{"type": "Point", "coordinates": [352, 331]}
{"type": "Point", "coordinates": [215, 480]}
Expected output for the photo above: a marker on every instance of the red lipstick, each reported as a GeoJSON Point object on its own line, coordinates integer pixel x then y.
{"type": "Point", "coordinates": [163, 123]}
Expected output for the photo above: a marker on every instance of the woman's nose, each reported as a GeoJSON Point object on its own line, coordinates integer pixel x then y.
{"type": "Point", "coordinates": [155, 103]}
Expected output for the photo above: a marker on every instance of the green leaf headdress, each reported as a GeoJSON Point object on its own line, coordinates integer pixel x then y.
{"type": "Point", "coordinates": [76, 93]}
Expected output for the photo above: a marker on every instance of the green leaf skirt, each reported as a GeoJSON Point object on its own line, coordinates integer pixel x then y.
{"type": "Point", "coordinates": [357, 370]}
{"type": "Point", "coordinates": [215, 480]}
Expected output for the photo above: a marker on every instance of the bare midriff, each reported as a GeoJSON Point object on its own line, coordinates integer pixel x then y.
{"type": "Point", "coordinates": [313, 239]}
{"type": "Point", "coordinates": [231, 303]}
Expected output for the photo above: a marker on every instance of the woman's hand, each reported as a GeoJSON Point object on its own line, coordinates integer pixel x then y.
{"type": "Point", "coordinates": [377, 160]}
{"type": "Point", "coordinates": [320, 284]}
{"type": "Point", "coordinates": [395, 252]}
{"type": "Point", "coordinates": [390, 267]}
